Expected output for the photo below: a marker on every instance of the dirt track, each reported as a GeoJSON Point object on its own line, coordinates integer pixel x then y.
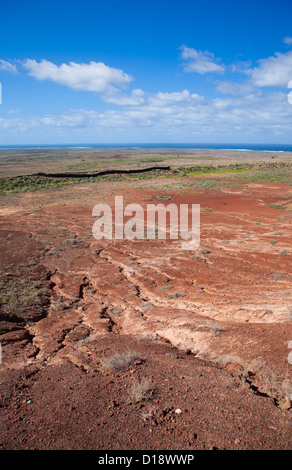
{"type": "Point", "coordinates": [210, 328]}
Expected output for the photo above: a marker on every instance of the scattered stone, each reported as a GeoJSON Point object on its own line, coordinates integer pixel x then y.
{"type": "Point", "coordinates": [286, 405]}
{"type": "Point", "coordinates": [234, 367]}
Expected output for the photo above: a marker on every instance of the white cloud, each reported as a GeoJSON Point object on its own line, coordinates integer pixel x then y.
{"type": "Point", "coordinates": [174, 98]}
{"type": "Point", "coordinates": [241, 67]}
{"type": "Point", "coordinates": [252, 111]}
{"type": "Point", "coordinates": [157, 100]}
{"type": "Point", "coordinates": [241, 110]}
{"type": "Point", "coordinates": [273, 71]}
{"type": "Point", "coordinates": [12, 111]}
{"type": "Point", "coordinates": [94, 76]}
{"type": "Point", "coordinates": [234, 88]}
{"type": "Point", "coordinates": [290, 94]}
{"type": "Point", "coordinates": [7, 66]}
{"type": "Point", "coordinates": [200, 62]}
{"type": "Point", "coordinates": [70, 120]}
{"type": "Point", "coordinates": [244, 112]}
{"type": "Point", "coordinates": [134, 99]}
{"type": "Point", "coordinates": [288, 40]}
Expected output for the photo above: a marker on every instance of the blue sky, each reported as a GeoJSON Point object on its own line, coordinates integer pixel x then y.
{"type": "Point", "coordinates": [156, 71]}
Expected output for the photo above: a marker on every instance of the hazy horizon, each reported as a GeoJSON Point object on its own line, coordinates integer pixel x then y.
{"type": "Point", "coordinates": [280, 148]}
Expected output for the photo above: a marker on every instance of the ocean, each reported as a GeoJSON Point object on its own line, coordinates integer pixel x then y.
{"type": "Point", "coordinates": [191, 146]}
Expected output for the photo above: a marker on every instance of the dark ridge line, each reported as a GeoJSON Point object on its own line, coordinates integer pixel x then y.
{"type": "Point", "coordinates": [101, 173]}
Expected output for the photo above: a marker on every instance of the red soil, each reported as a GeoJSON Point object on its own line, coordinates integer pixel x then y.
{"type": "Point", "coordinates": [211, 329]}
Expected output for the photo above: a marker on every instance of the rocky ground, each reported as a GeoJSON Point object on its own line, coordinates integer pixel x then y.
{"type": "Point", "coordinates": [118, 344]}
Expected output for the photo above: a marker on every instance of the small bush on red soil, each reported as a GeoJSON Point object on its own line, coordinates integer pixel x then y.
{"type": "Point", "coordinates": [120, 360]}
{"type": "Point", "coordinates": [140, 391]}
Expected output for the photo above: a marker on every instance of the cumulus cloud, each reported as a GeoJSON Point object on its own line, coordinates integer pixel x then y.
{"type": "Point", "coordinates": [244, 111]}
{"type": "Point", "coordinates": [94, 76]}
{"type": "Point", "coordinates": [7, 66]}
{"type": "Point", "coordinates": [273, 71]}
{"type": "Point", "coordinates": [240, 110]}
{"type": "Point", "coordinates": [134, 99]}
{"type": "Point", "coordinates": [235, 89]}
{"type": "Point", "coordinates": [70, 120]}
{"type": "Point", "coordinates": [178, 97]}
{"type": "Point", "coordinates": [200, 62]}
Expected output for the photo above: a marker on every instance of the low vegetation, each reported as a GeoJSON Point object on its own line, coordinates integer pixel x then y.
{"type": "Point", "coordinates": [199, 176]}
{"type": "Point", "coordinates": [140, 390]}
{"type": "Point", "coordinates": [275, 206]}
{"type": "Point", "coordinates": [120, 361]}
{"type": "Point", "coordinates": [22, 300]}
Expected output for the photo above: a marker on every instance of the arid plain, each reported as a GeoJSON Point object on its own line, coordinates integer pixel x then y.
{"type": "Point", "coordinates": [138, 344]}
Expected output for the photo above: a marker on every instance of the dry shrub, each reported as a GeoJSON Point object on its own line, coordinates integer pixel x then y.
{"type": "Point", "coordinates": [120, 360]}
{"type": "Point", "coordinates": [216, 329]}
{"type": "Point", "coordinates": [140, 391]}
{"type": "Point", "coordinates": [267, 380]}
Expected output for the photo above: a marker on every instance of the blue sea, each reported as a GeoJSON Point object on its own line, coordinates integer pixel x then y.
{"type": "Point", "coordinates": [192, 146]}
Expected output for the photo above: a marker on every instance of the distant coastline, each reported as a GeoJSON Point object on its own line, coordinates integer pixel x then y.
{"type": "Point", "coordinates": [137, 146]}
